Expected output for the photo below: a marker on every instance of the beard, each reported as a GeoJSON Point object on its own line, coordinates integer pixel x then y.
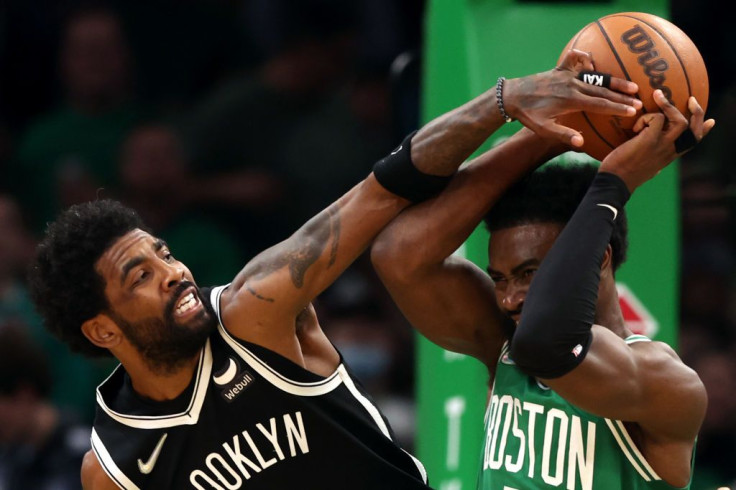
{"type": "Point", "coordinates": [164, 344]}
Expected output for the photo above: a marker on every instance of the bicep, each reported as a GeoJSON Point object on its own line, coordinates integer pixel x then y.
{"type": "Point", "coordinates": [452, 304]}
{"type": "Point", "coordinates": [643, 382]}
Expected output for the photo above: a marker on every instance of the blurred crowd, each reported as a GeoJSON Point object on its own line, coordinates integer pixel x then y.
{"type": "Point", "coordinates": [708, 249]}
{"type": "Point", "coordinates": [227, 124]}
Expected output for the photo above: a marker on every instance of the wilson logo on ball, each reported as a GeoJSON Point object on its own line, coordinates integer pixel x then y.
{"type": "Point", "coordinates": [639, 42]}
{"type": "Point", "coordinates": [648, 50]}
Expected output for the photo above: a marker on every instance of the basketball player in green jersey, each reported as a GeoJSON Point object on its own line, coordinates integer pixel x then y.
{"type": "Point", "coordinates": [577, 401]}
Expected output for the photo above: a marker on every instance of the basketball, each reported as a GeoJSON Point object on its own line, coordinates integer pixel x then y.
{"type": "Point", "coordinates": [645, 49]}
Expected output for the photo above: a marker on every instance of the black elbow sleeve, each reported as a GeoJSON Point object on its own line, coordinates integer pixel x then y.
{"type": "Point", "coordinates": [548, 356]}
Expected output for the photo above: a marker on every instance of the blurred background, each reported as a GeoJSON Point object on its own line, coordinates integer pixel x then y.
{"type": "Point", "coordinates": [227, 124]}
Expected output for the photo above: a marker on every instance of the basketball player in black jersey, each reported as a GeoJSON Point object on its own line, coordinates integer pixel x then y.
{"type": "Point", "coordinates": [237, 386]}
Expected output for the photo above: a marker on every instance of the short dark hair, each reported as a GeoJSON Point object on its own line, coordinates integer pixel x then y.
{"type": "Point", "coordinates": [550, 195]}
{"type": "Point", "coordinates": [64, 284]}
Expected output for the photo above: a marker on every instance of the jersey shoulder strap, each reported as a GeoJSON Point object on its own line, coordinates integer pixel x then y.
{"type": "Point", "coordinates": [632, 339]}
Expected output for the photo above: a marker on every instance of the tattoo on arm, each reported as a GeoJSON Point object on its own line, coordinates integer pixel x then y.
{"type": "Point", "coordinates": [334, 233]}
{"type": "Point", "coordinates": [317, 232]}
{"type": "Point", "coordinates": [304, 249]}
{"type": "Point", "coordinates": [258, 295]}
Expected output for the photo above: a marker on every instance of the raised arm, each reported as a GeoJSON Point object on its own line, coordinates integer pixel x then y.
{"type": "Point", "coordinates": [274, 287]}
{"type": "Point", "coordinates": [557, 341]}
{"type": "Point", "coordinates": [446, 298]}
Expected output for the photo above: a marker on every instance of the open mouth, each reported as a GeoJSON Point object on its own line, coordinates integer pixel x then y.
{"type": "Point", "coordinates": [188, 303]}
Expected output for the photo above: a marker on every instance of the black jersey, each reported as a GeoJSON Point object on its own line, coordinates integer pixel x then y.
{"type": "Point", "coordinates": [249, 419]}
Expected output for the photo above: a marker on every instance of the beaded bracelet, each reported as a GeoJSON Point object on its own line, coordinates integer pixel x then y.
{"type": "Point", "coordinates": [499, 99]}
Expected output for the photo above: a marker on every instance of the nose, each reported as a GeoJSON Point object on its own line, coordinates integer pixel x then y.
{"type": "Point", "coordinates": [173, 275]}
{"type": "Point", "coordinates": [514, 298]}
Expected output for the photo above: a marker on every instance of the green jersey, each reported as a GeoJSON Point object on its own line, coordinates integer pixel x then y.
{"type": "Point", "coordinates": [536, 439]}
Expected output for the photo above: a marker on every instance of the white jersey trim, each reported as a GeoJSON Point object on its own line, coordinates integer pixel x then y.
{"type": "Point", "coordinates": [375, 414]}
{"type": "Point", "coordinates": [630, 450]}
{"type": "Point", "coordinates": [420, 466]}
{"type": "Point", "coordinates": [633, 339]}
{"type": "Point", "coordinates": [190, 416]}
{"type": "Point", "coordinates": [267, 372]}
{"type": "Point", "coordinates": [107, 463]}
{"type": "Point", "coordinates": [367, 404]}
{"type": "Point", "coordinates": [340, 376]}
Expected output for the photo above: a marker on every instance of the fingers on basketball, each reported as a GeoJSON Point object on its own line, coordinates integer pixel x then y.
{"type": "Point", "coordinates": [645, 49]}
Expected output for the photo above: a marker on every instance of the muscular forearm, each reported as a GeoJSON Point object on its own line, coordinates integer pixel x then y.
{"type": "Point", "coordinates": [444, 298]}
{"type": "Point", "coordinates": [535, 100]}
{"type": "Point", "coordinates": [429, 232]}
{"type": "Point", "coordinates": [447, 141]}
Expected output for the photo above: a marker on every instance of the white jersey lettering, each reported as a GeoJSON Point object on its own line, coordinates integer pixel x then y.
{"type": "Point", "coordinates": [566, 453]}
{"type": "Point", "coordinates": [300, 436]}
{"type": "Point", "coordinates": [549, 436]}
{"type": "Point", "coordinates": [210, 461]}
{"type": "Point", "coordinates": [226, 470]}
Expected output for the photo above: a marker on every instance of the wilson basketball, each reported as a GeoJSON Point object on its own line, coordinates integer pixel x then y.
{"type": "Point", "coordinates": [645, 49]}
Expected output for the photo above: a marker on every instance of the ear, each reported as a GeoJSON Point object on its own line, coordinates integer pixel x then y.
{"type": "Point", "coordinates": [607, 264]}
{"type": "Point", "coordinates": [102, 331]}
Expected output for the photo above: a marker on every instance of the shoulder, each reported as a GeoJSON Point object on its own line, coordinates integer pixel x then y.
{"type": "Point", "coordinates": [673, 388]}
{"type": "Point", "coordinates": [659, 359]}
{"type": "Point", "coordinates": [93, 476]}
{"type": "Point", "coordinates": [659, 363]}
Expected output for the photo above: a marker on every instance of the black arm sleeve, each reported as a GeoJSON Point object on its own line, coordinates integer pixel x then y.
{"type": "Point", "coordinates": [554, 334]}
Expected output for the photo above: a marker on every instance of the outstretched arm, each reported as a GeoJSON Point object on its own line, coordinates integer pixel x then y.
{"type": "Point", "coordinates": [446, 298]}
{"type": "Point", "coordinates": [274, 287]}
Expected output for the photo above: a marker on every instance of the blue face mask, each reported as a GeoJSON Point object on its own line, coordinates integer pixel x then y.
{"type": "Point", "coordinates": [366, 361]}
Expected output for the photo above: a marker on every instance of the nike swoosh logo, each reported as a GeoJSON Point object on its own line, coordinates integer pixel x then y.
{"type": "Point", "coordinates": [613, 210]}
{"type": "Point", "coordinates": [397, 150]}
{"type": "Point", "coordinates": [147, 467]}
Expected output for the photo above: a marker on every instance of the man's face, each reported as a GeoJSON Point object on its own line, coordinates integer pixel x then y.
{"type": "Point", "coordinates": [154, 301]}
{"type": "Point", "coordinates": [514, 255]}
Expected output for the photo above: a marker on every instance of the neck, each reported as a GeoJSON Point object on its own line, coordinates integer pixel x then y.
{"type": "Point", "coordinates": [160, 385]}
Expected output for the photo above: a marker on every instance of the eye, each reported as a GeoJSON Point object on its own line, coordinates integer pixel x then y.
{"type": "Point", "coordinates": [140, 276]}
{"type": "Point", "coordinates": [168, 257]}
{"type": "Point", "coordinates": [499, 281]}
{"type": "Point", "coordinates": [527, 274]}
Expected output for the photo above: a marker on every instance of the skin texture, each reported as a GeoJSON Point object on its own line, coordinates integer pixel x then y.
{"type": "Point", "coordinates": [269, 300]}
{"type": "Point", "coordinates": [456, 305]}
{"type": "Point", "coordinates": [515, 255]}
